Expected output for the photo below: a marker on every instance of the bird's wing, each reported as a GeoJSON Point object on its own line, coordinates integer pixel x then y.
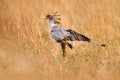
{"type": "Point", "coordinates": [65, 34]}
{"type": "Point", "coordinates": [71, 35]}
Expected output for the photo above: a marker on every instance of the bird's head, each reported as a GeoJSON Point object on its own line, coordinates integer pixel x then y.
{"type": "Point", "coordinates": [53, 16]}
{"type": "Point", "coordinates": [48, 16]}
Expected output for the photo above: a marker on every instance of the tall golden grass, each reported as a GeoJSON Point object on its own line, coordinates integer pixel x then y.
{"type": "Point", "coordinates": [28, 52]}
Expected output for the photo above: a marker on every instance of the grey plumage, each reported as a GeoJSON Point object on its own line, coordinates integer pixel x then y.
{"type": "Point", "coordinates": [65, 34]}
{"type": "Point", "coordinates": [62, 35]}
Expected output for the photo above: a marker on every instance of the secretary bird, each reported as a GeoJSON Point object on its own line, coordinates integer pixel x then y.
{"type": "Point", "coordinates": [63, 35]}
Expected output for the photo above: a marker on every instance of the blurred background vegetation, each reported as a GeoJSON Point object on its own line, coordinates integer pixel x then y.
{"type": "Point", "coordinates": [28, 52]}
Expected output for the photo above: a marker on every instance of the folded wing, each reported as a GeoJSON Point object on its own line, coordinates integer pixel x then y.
{"type": "Point", "coordinates": [73, 35]}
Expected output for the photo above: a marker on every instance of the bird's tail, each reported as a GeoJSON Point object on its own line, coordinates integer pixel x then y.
{"type": "Point", "coordinates": [97, 43]}
{"type": "Point", "coordinates": [84, 38]}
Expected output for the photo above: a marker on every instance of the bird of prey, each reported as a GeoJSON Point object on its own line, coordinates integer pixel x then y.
{"type": "Point", "coordinates": [63, 35]}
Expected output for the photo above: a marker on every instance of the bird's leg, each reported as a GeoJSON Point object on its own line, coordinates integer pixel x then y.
{"type": "Point", "coordinates": [69, 45]}
{"type": "Point", "coordinates": [63, 48]}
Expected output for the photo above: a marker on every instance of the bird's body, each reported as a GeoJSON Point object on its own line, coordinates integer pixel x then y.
{"type": "Point", "coordinates": [63, 35]}
{"type": "Point", "coordinates": [60, 34]}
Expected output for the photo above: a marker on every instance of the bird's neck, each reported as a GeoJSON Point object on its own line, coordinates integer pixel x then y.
{"type": "Point", "coordinates": [52, 23]}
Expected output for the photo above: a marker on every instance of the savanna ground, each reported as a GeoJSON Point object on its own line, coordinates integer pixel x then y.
{"type": "Point", "coordinates": [27, 52]}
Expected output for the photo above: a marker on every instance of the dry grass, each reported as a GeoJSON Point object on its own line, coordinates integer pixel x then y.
{"type": "Point", "coordinates": [28, 52]}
